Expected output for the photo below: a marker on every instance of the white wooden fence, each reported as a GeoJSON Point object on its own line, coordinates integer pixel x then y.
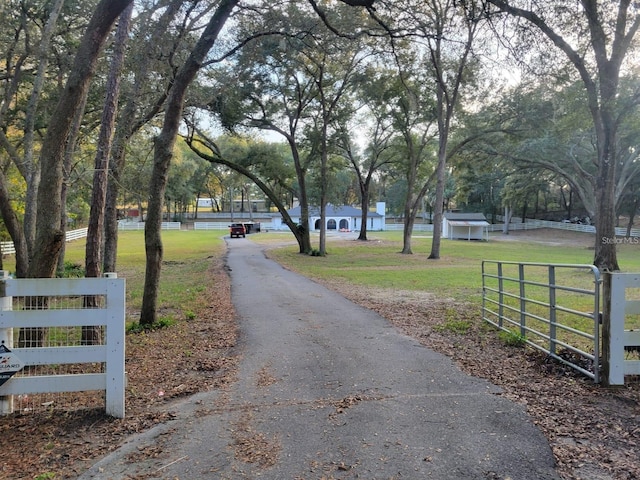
{"type": "Point", "coordinates": [65, 311]}
{"type": "Point", "coordinates": [7, 248]}
{"type": "Point", "coordinates": [211, 226]}
{"type": "Point", "coordinates": [140, 226]}
{"type": "Point", "coordinates": [531, 224]}
{"type": "Point", "coordinates": [625, 305]}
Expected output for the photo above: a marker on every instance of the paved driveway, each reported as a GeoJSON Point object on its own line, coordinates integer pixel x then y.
{"type": "Point", "coordinates": [329, 390]}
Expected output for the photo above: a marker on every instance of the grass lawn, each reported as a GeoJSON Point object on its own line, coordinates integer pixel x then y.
{"type": "Point", "coordinates": [457, 274]}
{"type": "Point", "coordinates": [186, 255]}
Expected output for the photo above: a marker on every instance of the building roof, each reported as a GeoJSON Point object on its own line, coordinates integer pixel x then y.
{"type": "Point", "coordinates": [333, 211]}
{"type": "Point", "coordinates": [468, 223]}
{"type": "Point", "coordinates": [464, 217]}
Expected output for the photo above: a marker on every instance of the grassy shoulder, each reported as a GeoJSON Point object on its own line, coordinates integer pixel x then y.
{"type": "Point", "coordinates": [457, 274]}
{"type": "Point", "coordinates": [196, 351]}
{"type": "Point", "coordinates": [187, 256]}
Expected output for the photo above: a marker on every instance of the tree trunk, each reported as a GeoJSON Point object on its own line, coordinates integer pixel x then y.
{"type": "Point", "coordinates": [49, 237]}
{"type": "Point", "coordinates": [95, 230]}
{"type": "Point", "coordinates": [447, 97]}
{"type": "Point", "coordinates": [323, 184]}
{"type": "Point", "coordinates": [632, 214]}
{"type": "Point", "coordinates": [407, 231]}
{"type": "Point", "coordinates": [12, 223]}
{"type": "Point", "coordinates": [33, 179]}
{"type": "Point", "coordinates": [116, 165]}
{"type": "Point", "coordinates": [23, 236]}
{"type": "Point", "coordinates": [93, 251]}
{"type": "Point", "coordinates": [162, 158]}
{"type": "Point", "coordinates": [127, 125]}
{"type": "Point", "coordinates": [605, 256]}
{"type": "Point", "coordinates": [66, 172]}
{"type": "Point", "coordinates": [439, 201]}
{"type": "Point", "coordinates": [303, 236]}
{"type": "Point", "coordinates": [364, 205]}
{"type": "Point", "coordinates": [507, 220]}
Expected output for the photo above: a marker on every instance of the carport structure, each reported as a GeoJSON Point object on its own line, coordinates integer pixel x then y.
{"type": "Point", "coordinates": [465, 226]}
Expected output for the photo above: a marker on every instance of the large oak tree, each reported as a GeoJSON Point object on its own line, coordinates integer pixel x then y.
{"type": "Point", "coordinates": [596, 37]}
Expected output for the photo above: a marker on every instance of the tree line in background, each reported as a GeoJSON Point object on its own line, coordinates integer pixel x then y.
{"type": "Point", "coordinates": [516, 106]}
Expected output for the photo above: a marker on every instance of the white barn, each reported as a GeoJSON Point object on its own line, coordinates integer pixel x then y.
{"type": "Point", "coordinates": [465, 226]}
{"type": "Point", "coordinates": [342, 218]}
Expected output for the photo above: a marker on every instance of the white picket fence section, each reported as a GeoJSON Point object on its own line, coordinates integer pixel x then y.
{"type": "Point", "coordinates": [531, 224]}
{"type": "Point", "coordinates": [211, 226]}
{"type": "Point", "coordinates": [61, 292]}
{"type": "Point", "coordinates": [7, 248]}
{"type": "Point", "coordinates": [622, 307]}
{"type": "Point", "coordinates": [140, 226]}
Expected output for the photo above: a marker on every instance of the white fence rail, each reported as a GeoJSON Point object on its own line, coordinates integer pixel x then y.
{"type": "Point", "coordinates": [625, 311]}
{"type": "Point", "coordinates": [63, 312]}
{"type": "Point", "coordinates": [417, 227]}
{"type": "Point", "coordinates": [211, 226]}
{"type": "Point", "coordinates": [7, 248]}
{"type": "Point", "coordinates": [572, 227]}
{"type": "Point", "coordinates": [140, 226]}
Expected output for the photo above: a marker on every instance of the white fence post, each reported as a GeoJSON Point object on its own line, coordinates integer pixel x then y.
{"type": "Point", "coordinates": [115, 367]}
{"type": "Point", "coordinates": [620, 307]}
{"type": "Point", "coordinates": [6, 337]}
{"type": "Point", "coordinates": [616, 348]}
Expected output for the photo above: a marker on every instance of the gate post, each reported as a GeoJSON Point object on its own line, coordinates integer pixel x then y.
{"type": "Point", "coordinates": [615, 338]}
{"type": "Point", "coordinates": [6, 337]}
{"type": "Point", "coordinates": [116, 340]}
{"type": "Point", "coordinates": [606, 328]}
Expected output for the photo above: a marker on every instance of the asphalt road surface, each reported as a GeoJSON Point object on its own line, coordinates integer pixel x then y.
{"type": "Point", "coordinates": [329, 390]}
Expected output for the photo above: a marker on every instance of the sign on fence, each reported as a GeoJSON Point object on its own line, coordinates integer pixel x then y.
{"type": "Point", "coordinates": [10, 364]}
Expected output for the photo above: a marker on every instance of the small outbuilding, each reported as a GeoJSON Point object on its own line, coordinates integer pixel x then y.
{"type": "Point", "coordinates": [465, 226]}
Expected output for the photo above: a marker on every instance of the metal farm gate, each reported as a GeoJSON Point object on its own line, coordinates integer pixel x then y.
{"type": "Point", "coordinates": [554, 308]}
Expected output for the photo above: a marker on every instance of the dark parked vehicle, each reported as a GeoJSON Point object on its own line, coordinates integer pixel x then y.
{"type": "Point", "coordinates": [237, 230]}
{"type": "Point", "coordinates": [251, 227]}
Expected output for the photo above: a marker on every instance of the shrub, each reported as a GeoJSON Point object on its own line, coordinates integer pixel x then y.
{"type": "Point", "coordinates": [71, 270]}
{"type": "Point", "coordinates": [512, 339]}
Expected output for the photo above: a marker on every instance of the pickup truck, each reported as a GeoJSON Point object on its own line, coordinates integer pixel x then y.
{"type": "Point", "coordinates": [237, 230]}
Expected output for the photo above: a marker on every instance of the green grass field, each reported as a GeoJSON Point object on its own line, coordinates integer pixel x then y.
{"type": "Point", "coordinates": [186, 258]}
{"type": "Point", "coordinates": [456, 274]}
